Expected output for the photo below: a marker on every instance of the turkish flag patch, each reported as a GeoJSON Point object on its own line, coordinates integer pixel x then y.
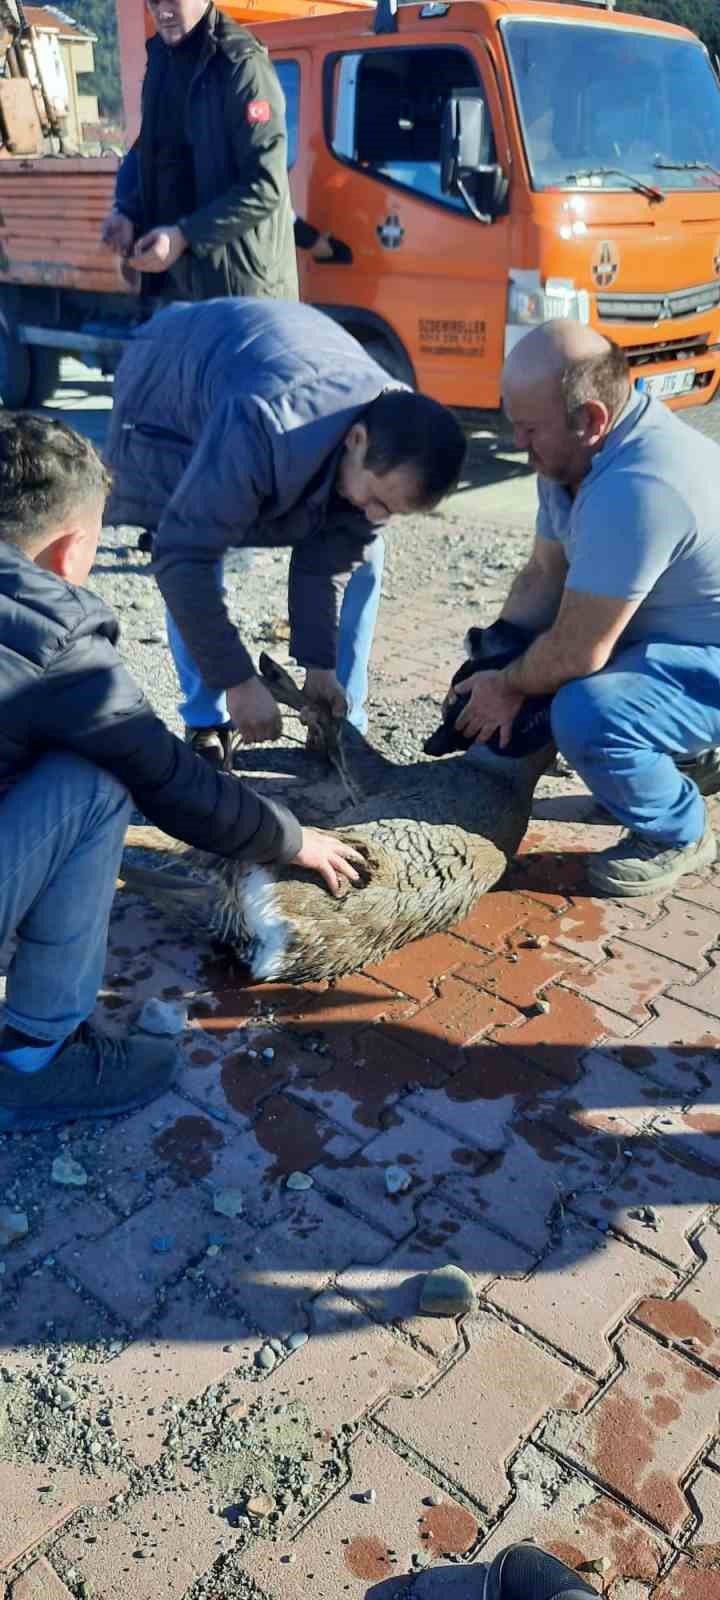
{"type": "Point", "coordinates": [259, 111]}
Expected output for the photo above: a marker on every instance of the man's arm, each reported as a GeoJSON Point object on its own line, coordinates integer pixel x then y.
{"type": "Point", "coordinates": [319, 571]}
{"type": "Point", "coordinates": [255, 112]}
{"type": "Point", "coordinates": [536, 591]}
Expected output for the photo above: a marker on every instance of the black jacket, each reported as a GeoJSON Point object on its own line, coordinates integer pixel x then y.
{"type": "Point", "coordinates": [241, 231]}
{"type": "Point", "coordinates": [227, 426]}
{"type": "Point", "coordinates": [64, 687]}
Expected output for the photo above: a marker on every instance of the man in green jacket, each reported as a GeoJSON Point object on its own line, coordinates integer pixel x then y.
{"type": "Point", "coordinates": [202, 204]}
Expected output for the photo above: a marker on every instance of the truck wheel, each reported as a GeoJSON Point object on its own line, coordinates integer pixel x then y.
{"type": "Point", "coordinates": [394, 362]}
{"type": "Point", "coordinates": [15, 370]}
{"type": "Point", "coordinates": [44, 373]}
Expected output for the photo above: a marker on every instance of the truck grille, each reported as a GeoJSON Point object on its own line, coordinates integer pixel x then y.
{"type": "Point", "coordinates": [659, 307]}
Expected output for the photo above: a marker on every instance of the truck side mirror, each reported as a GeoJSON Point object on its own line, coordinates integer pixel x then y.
{"type": "Point", "coordinates": [467, 167]}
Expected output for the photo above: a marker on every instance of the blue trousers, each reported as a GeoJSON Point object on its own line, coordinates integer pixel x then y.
{"type": "Point", "coordinates": [202, 707]}
{"type": "Point", "coordinates": [621, 728]}
{"type": "Point", "coordinates": [62, 828]}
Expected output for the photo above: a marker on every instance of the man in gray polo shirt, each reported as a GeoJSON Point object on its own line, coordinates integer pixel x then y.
{"type": "Point", "coordinates": [622, 592]}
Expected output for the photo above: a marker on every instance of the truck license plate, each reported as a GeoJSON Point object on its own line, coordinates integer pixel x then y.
{"type": "Point", "coordinates": [663, 385]}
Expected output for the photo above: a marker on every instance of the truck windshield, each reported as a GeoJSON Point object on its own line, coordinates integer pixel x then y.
{"type": "Point", "coordinates": [593, 96]}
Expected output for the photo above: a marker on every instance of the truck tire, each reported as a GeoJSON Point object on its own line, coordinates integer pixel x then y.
{"type": "Point", "coordinates": [394, 362]}
{"type": "Point", "coordinates": [44, 373]}
{"type": "Point", "coordinates": [15, 366]}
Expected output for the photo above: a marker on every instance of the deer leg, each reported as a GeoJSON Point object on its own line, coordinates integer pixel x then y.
{"type": "Point", "coordinates": [285, 691]}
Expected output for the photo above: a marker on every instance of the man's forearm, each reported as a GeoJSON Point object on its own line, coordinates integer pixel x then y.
{"type": "Point", "coordinates": [533, 599]}
{"type": "Point", "coordinates": [544, 667]}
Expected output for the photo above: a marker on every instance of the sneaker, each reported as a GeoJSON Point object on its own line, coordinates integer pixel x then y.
{"type": "Point", "coordinates": [522, 1572]}
{"type": "Point", "coordinates": [703, 769]}
{"type": "Point", "coordinates": [213, 744]}
{"type": "Point", "coordinates": [640, 866]}
{"type": "Point", "coordinates": [93, 1076]}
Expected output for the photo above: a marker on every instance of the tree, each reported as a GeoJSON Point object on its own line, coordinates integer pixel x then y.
{"type": "Point", "coordinates": [100, 16]}
{"type": "Point", "coordinates": [701, 16]}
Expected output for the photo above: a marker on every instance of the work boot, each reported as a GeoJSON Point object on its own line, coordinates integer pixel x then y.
{"type": "Point", "coordinates": [639, 866]}
{"type": "Point", "coordinates": [703, 769]}
{"type": "Point", "coordinates": [92, 1076]}
{"type": "Point", "coordinates": [522, 1572]}
{"type": "Point", "coordinates": [213, 744]}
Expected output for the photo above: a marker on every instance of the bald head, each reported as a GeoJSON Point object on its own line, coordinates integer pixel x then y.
{"type": "Point", "coordinates": [564, 385]}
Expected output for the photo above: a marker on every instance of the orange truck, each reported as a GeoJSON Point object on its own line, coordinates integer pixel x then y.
{"type": "Point", "coordinates": [487, 163]}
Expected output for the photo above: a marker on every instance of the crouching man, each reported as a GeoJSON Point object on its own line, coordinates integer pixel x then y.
{"type": "Point", "coordinates": [78, 743]}
{"type": "Point", "coordinates": [622, 596]}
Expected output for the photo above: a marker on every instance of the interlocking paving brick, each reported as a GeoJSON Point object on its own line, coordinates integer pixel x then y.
{"type": "Point", "coordinates": [704, 1547]}
{"type": "Point", "coordinates": [646, 1430]}
{"type": "Point", "coordinates": [561, 1035]}
{"type": "Point", "coordinates": [162, 1544]}
{"type": "Point", "coordinates": [286, 1138]}
{"type": "Point", "coordinates": [688, 1581]}
{"type": "Point", "coordinates": [691, 1322]}
{"type": "Point", "coordinates": [497, 915]}
{"type": "Point", "coordinates": [350, 1547]}
{"type": "Point", "coordinates": [363, 1076]}
{"type": "Point", "coordinates": [685, 933]}
{"type": "Point", "coordinates": [588, 926]}
{"type": "Point", "coordinates": [704, 994]}
{"type": "Point", "coordinates": [274, 1273]}
{"type": "Point", "coordinates": [415, 970]}
{"type": "Point", "coordinates": [521, 976]}
{"type": "Point", "coordinates": [42, 1312]}
{"type": "Point", "coordinates": [627, 982]}
{"type": "Point", "coordinates": [677, 1046]}
{"type": "Point", "coordinates": [39, 1582]}
{"type": "Point", "coordinates": [196, 1345]}
{"type": "Point", "coordinates": [703, 889]}
{"type": "Point", "coordinates": [479, 1102]}
{"type": "Point", "coordinates": [499, 1361]}
{"type": "Point", "coordinates": [124, 1271]}
{"type": "Point", "coordinates": [391, 1290]}
{"type": "Point", "coordinates": [575, 1521]}
{"type": "Point", "coordinates": [607, 1099]}
{"type": "Point", "coordinates": [523, 1183]}
{"type": "Point", "coordinates": [578, 1294]}
{"type": "Point", "coordinates": [167, 1143]}
{"type": "Point", "coordinates": [348, 1365]}
{"type": "Point", "coordinates": [236, 1085]}
{"type": "Point", "coordinates": [66, 1218]}
{"type": "Point", "coordinates": [428, 1153]}
{"type": "Point", "coordinates": [459, 1015]}
{"type": "Point", "coordinates": [357, 1001]}
{"type": "Point", "coordinates": [37, 1499]}
{"type": "Point", "coordinates": [675, 1189]}
{"type": "Point", "coordinates": [695, 1130]}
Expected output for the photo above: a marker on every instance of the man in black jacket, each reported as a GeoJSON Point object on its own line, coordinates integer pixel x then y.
{"type": "Point", "coordinates": [202, 206]}
{"type": "Point", "coordinates": [77, 741]}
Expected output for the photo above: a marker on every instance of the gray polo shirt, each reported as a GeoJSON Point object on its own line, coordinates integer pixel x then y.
{"type": "Point", "coordinates": [645, 524]}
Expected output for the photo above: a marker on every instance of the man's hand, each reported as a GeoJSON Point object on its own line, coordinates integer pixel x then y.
{"type": "Point", "coordinates": [118, 233]}
{"type": "Point", "coordinates": [324, 689]}
{"type": "Point", "coordinates": [330, 858]}
{"type": "Point", "coordinates": [254, 712]}
{"type": "Point", "coordinates": [492, 707]}
{"type": "Point", "coordinates": [158, 250]}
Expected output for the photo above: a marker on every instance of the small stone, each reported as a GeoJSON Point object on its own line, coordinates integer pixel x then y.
{"type": "Point", "coordinates": [163, 1244]}
{"type": "Point", "coordinates": [228, 1202]}
{"type": "Point", "coordinates": [162, 1017]}
{"type": "Point", "coordinates": [447, 1292]}
{"type": "Point", "coordinates": [261, 1505]}
{"type": "Point", "coordinates": [366, 1497]}
{"type": "Point", "coordinates": [299, 1180]}
{"type": "Point", "coordinates": [266, 1358]}
{"type": "Point", "coordinates": [277, 1346]}
{"type": "Point", "coordinates": [433, 1500]}
{"type": "Point", "coordinates": [68, 1172]}
{"type": "Point", "coordinates": [537, 941]}
{"type": "Point", "coordinates": [596, 1564]}
{"type": "Point", "coordinates": [14, 1225]}
{"type": "Point", "coordinates": [296, 1341]}
{"type": "Point", "coordinates": [542, 1005]}
{"type": "Point", "coordinates": [237, 1411]}
{"type": "Point", "coordinates": [212, 1251]}
{"type": "Point", "coordinates": [268, 1054]}
{"type": "Point", "coordinates": [397, 1180]}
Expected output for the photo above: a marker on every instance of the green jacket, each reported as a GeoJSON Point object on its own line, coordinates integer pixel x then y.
{"type": "Point", "coordinates": [241, 232]}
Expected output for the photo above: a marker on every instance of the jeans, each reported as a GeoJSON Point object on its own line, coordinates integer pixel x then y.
{"type": "Point", "coordinates": [621, 728]}
{"type": "Point", "coordinates": [62, 828]}
{"type": "Point", "coordinates": [202, 707]}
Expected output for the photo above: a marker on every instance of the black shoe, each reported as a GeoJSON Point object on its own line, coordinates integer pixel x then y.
{"type": "Point", "coordinates": [93, 1076]}
{"type": "Point", "coordinates": [703, 769]}
{"type": "Point", "coordinates": [523, 1572]}
{"type": "Point", "coordinates": [213, 744]}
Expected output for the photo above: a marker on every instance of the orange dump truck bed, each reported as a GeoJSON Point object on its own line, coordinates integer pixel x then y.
{"type": "Point", "coordinates": [51, 211]}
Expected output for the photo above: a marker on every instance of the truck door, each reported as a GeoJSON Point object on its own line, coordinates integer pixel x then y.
{"type": "Point", "coordinates": [422, 266]}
